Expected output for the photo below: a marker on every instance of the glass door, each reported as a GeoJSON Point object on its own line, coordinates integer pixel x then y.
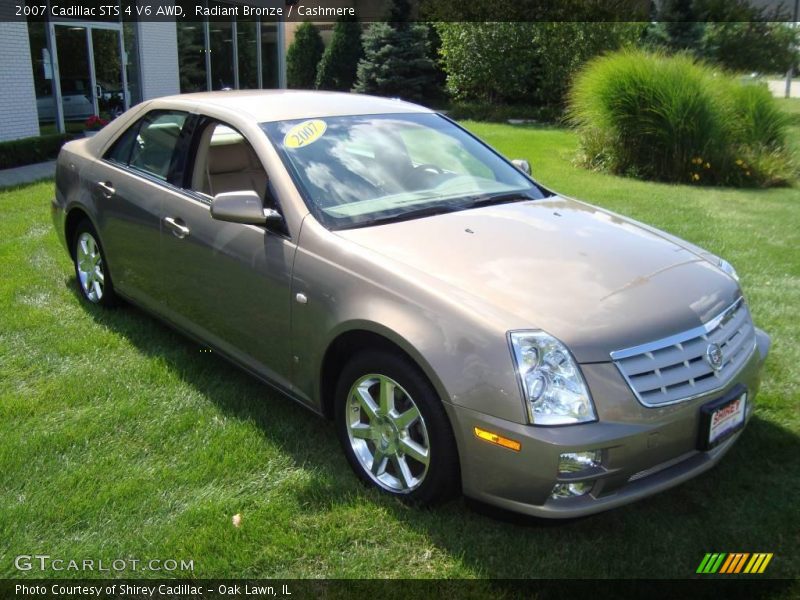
{"type": "Point", "coordinates": [76, 76]}
{"type": "Point", "coordinates": [88, 62]}
{"type": "Point", "coordinates": [112, 98]}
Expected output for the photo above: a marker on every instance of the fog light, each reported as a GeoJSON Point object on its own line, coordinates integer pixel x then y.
{"type": "Point", "coordinates": [573, 462]}
{"type": "Point", "coordinates": [570, 490]}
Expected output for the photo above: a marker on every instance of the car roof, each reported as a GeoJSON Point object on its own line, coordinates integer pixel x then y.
{"type": "Point", "coordinates": [280, 105]}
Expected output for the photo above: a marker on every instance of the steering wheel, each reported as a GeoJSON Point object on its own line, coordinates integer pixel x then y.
{"type": "Point", "coordinates": [428, 167]}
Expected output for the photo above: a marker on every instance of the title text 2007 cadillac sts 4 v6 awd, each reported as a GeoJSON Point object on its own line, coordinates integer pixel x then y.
{"type": "Point", "coordinates": [465, 327]}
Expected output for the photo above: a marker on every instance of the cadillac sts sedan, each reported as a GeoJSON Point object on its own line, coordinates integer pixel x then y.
{"type": "Point", "coordinates": [466, 328]}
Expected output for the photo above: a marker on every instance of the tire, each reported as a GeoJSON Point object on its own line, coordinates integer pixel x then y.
{"type": "Point", "coordinates": [94, 280]}
{"type": "Point", "coordinates": [416, 454]}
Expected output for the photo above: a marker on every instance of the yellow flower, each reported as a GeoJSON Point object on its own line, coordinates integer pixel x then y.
{"type": "Point", "coordinates": [695, 176]}
{"type": "Point", "coordinates": [697, 161]}
{"type": "Point", "coordinates": [708, 165]}
{"type": "Point", "coordinates": [747, 173]}
{"type": "Point", "coordinates": [739, 162]}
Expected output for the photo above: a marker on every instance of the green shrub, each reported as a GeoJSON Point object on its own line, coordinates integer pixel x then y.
{"type": "Point", "coordinates": [303, 56]}
{"type": "Point", "coordinates": [760, 121]}
{"type": "Point", "coordinates": [673, 118]}
{"type": "Point", "coordinates": [28, 151]}
{"type": "Point", "coordinates": [337, 69]}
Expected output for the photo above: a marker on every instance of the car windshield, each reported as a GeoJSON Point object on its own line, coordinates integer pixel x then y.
{"type": "Point", "coordinates": [364, 170]}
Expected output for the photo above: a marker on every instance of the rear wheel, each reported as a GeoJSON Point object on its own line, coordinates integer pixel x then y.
{"type": "Point", "coordinates": [94, 281]}
{"type": "Point", "coordinates": [394, 430]}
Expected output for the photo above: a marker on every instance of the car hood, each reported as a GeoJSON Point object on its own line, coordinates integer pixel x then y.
{"type": "Point", "coordinates": [596, 281]}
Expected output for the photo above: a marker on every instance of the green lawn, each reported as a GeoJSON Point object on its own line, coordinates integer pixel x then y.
{"type": "Point", "coordinates": [121, 439]}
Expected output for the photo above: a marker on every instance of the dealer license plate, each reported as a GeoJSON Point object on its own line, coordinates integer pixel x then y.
{"type": "Point", "coordinates": [723, 419]}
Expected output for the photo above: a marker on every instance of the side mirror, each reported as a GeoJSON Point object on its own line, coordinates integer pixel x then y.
{"type": "Point", "coordinates": [243, 207]}
{"type": "Point", "coordinates": [522, 165]}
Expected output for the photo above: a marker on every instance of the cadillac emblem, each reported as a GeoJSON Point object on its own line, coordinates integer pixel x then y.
{"type": "Point", "coordinates": [714, 356]}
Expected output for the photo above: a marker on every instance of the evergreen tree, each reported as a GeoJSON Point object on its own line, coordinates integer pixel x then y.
{"type": "Point", "coordinates": [303, 56]}
{"type": "Point", "coordinates": [397, 60]}
{"type": "Point", "coordinates": [337, 69]}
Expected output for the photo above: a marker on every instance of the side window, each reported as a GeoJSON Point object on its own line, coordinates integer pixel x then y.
{"type": "Point", "coordinates": [155, 142]}
{"type": "Point", "coordinates": [226, 162]}
{"type": "Point", "coordinates": [120, 152]}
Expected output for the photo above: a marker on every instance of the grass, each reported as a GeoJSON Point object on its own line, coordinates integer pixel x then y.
{"type": "Point", "coordinates": [121, 439]}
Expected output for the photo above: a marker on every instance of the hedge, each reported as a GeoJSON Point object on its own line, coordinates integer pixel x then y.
{"type": "Point", "coordinates": [28, 151]}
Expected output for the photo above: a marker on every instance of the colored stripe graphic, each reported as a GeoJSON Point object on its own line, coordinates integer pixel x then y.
{"type": "Point", "coordinates": [711, 562]}
{"type": "Point", "coordinates": [701, 568]}
{"type": "Point", "coordinates": [758, 563]}
{"type": "Point", "coordinates": [734, 562]}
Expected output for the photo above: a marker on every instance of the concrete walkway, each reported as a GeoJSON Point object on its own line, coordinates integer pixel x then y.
{"type": "Point", "coordinates": [27, 174]}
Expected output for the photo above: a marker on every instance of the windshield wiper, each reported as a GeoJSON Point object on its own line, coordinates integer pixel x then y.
{"type": "Point", "coordinates": [427, 211]}
{"type": "Point", "coordinates": [492, 199]}
{"type": "Point", "coordinates": [438, 209]}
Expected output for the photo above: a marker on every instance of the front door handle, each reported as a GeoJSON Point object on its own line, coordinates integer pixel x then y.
{"type": "Point", "coordinates": [107, 189]}
{"type": "Point", "coordinates": [179, 230]}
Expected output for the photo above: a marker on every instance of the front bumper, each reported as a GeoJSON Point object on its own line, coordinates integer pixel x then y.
{"type": "Point", "coordinates": [644, 450]}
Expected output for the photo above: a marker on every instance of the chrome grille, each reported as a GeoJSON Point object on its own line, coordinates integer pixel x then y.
{"type": "Point", "coordinates": [676, 368]}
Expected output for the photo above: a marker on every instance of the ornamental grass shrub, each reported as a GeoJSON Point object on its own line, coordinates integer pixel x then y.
{"type": "Point", "coordinates": [676, 119]}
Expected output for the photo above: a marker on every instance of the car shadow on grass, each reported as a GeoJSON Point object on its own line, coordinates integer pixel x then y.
{"type": "Point", "coordinates": [743, 505]}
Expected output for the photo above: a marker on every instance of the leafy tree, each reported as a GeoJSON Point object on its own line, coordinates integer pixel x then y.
{"type": "Point", "coordinates": [337, 69]}
{"type": "Point", "coordinates": [679, 26]}
{"type": "Point", "coordinates": [397, 61]}
{"type": "Point", "coordinates": [751, 46]}
{"type": "Point", "coordinates": [737, 34]}
{"type": "Point", "coordinates": [303, 56]}
{"type": "Point", "coordinates": [487, 61]}
{"type": "Point", "coordinates": [523, 63]}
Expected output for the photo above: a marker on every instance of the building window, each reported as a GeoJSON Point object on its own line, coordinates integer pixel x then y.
{"type": "Point", "coordinates": [221, 46]}
{"type": "Point", "coordinates": [191, 52]}
{"type": "Point", "coordinates": [226, 54]}
{"type": "Point", "coordinates": [42, 76]}
{"type": "Point", "coordinates": [269, 55]}
{"type": "Point", "coordinates": [131, 38]}
{"type": "Point", "coordinates": [247, 40]}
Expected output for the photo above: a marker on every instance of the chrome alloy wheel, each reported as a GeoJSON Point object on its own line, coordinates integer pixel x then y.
{"type": "Point", "coordinates": [90, 267]}
{"type": "Point", "coordinates": [387, 433]}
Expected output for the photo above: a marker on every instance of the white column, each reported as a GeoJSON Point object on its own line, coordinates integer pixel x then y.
{"type": "Point", "coordinates": [158, 58]}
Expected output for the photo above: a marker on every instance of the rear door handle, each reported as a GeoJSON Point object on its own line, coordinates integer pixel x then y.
{"type": "Point", "coordinates": [179, 230]}
{"type": "Point", "coordinates": [107, 188]}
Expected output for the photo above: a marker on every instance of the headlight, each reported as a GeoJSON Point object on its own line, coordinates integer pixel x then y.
{"type": "Point", "coordinates": [727, 267]}
{"type": "Point", "coordinates": [555, 392]}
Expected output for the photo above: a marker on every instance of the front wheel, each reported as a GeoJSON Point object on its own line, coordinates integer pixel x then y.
{"type": "Point", "coordinates": [394, 430]}
{"type": "Point", "coordinates": [94, 281]}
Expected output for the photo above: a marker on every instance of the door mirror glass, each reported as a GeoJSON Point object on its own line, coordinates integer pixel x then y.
{"type": "Point", "coordinates": [242, 207]}
{"type": "Point", "coordinates": [523, 165]}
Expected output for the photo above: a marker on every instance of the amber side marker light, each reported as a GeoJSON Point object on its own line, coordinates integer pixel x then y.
{"type": "Point", "coordinates": [493, 438]}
